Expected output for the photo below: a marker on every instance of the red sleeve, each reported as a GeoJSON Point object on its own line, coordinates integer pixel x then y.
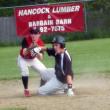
{"type": "Point", "coordinates": [40, 42]}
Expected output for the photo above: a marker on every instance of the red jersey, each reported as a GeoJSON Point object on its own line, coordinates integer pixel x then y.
{"type": "Point", "coordinates": [26, 43]}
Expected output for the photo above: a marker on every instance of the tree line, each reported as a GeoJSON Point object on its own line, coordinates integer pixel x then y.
{"type": "Point", "coordinates": [99, 5]}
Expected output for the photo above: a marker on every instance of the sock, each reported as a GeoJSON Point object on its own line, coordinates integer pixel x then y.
{"type": "Point", "coordinates": [42, 82]}
{"type": "Point", "coordinates": [25, 81]}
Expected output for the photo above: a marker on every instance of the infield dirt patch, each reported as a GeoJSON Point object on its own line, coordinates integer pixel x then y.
{"type": "Point", "coordinates": [92, 93]}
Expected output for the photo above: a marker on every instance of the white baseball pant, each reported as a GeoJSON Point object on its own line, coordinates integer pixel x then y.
{"type": "Point", "coordinates": [37, 65]}
{"type": "Point", "coordinates": [34, 63]}
{"type": "Point", "coordinates": [52, 84]}
{"type": "Point", "coordinates": [51, 87]}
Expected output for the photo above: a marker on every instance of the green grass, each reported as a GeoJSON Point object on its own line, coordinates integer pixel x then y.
{"type": "Point", "coordinates": [90, 56]}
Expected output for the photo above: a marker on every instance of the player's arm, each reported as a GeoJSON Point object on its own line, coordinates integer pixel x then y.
{"type": "Point", "coordinates": [70, 91]}
{"type": "Point", "coordinates": [25, 50]}
{"type": "Point", "coordinates": [69, 77]}
{"type": "Point", "coordinates": [68, 71]}
{"type": "Point", "coordinates": [50, 51]}
{"type": "Point", "coordinates": [40, 55]}
{"type": "Point", "coordinates": [43, 49]}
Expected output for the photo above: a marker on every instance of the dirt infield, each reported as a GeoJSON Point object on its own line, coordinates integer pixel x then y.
{"type": "Point", "coordinates": [92, 93]}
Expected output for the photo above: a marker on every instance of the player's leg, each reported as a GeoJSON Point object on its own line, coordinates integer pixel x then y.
{"type": "Point", "coordinates": [42, 82]}
{"type": "Point", "coordinates": [48, 74]}
{"type": "Point", "coordinates": [25, 74]}
{"type": "Point", "coordinates": [51, 87]}
{"type": "Point", "coordinates": [45, 73]}
{"type": "Point", "coordinates": [37, 65]}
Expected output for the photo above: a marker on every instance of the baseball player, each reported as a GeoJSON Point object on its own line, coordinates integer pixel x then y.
{"type": "Point", "coordinates": [30, 56]}
{"type": "Point", "coordinates": [62, 73]}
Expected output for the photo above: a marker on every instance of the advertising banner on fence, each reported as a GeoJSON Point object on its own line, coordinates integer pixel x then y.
{"type": "Point", "coordinates": [66, 17]}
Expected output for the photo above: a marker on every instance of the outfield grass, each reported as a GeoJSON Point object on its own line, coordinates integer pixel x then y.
{"type": "Point", "coordinates": [91, 56]}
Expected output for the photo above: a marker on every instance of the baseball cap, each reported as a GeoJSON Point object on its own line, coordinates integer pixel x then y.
{"type": "Point", "coordinates": [34, 30]}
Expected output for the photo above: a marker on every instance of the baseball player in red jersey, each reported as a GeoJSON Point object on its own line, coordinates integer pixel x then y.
{"type": "Point", "coordinates": [30, 56]}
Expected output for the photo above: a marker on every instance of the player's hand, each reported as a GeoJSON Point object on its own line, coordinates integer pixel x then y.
{"type": "Point", "coordinates": [70, 92]}
{"type": "Point", "coordinates": [25, 52]}
{"type": "Point", "coordinates": [35, 51]}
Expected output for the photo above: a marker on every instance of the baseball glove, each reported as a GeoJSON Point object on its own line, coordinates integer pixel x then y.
{"type": "Point", "coordinates": [35, 51]}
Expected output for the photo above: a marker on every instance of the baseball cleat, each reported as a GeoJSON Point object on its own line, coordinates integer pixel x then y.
{"type": "Point", "coordinates": [27, 93]}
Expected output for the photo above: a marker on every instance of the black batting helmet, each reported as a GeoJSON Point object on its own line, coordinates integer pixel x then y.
{"type": "Point", "coordinates": [60, 40]}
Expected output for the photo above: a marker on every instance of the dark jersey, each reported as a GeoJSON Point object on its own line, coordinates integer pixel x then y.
{"type": "Point", "coordinates": [63, 64]}
{"type": "Point", "coordinates": [26, 42]}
